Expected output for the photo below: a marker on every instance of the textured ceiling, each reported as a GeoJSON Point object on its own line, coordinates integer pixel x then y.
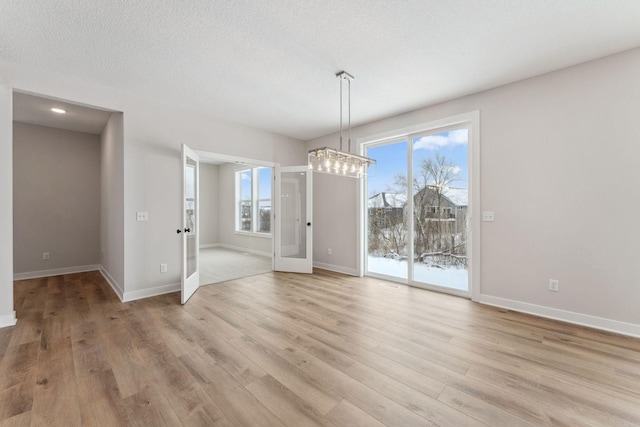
{"type": "Point", "coordinates": [271, 64]}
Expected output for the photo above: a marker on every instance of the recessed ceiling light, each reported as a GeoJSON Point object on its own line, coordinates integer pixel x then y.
{"type": "Point", "coordinates": [58, 110]}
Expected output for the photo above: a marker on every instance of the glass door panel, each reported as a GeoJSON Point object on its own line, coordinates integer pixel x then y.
{"type": "Point", "coordinates": [387, 227]}
{"type": "Point", "coordinates": [440, 206]}
{"type": "Point", "coordinates": [293, 215]}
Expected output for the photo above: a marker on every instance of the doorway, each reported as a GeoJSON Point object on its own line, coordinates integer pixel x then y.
{"type": "Point", "coordinates": [66, 157]}
{"type": "Point", "coordinates": [235, 218]}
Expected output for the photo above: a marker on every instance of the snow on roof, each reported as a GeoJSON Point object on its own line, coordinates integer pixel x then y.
{"type": "Point", "coordinates": [458, 196]}
{"type": "Point", "coordinates": [388, 200]}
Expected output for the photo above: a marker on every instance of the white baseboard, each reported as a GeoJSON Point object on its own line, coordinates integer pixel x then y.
{"type": "Point", "coordinates": [336, 268]}
{"type": "Point", "coordinates": [55, 272]}
{"type": "Point", "coordinates": [595, 322]}
{"type": "Point", "coordinates": [150, 292]}
{"type": "Point", "coordinates": [8, 320]}
{"type": "Point", "coordinates": [236, 248]}
{"type": "Point", "coordinates": [114, 285]}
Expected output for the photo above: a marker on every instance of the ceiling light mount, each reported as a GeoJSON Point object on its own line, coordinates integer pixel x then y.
{"type": "Point", "coordinates": [339, 162]}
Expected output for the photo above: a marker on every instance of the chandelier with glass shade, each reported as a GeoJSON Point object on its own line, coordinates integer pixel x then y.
{"type": "Point", "coordinates": [338, 162]}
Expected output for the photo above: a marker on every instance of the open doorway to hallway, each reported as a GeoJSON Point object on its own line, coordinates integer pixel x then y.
{"type": "Point", "coordinates": [68, 161]}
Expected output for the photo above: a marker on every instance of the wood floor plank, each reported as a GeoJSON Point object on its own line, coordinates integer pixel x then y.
{"type": "Point", "coordinates": [55, 400]}
{"type": "Point", "coordinates": [16, 400]}
{"type": "Point", "coordinates": [238, 404]}
{"type": "Point", "coordinates": [285, 405]}
{"type": "Point", "coordinates": [284, 349]}
{"type": "Point", "coordinates": [21, 420]}
{"type": "Point", "coordinates": [346, 413]}
{"type": "Point", "coordinates": [149, 408]}
{"type": "Point", "coordinates": [18, 363]}
{"type": "Point", "coordinates": [479, 409]}
{"type": "Point", "coordinates": [188, 400]}
{"type": "Point", "coordinates": [5, 338]}
{"type": "Point", "coordinates": [421, 404]}
{"type": "Point", "coordinates": [100, 405]}
{"type": "Point", "coordinates": [316, 395]}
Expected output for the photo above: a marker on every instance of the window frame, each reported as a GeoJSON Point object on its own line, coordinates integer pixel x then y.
{"type": "Point", "coordinates": [254, 201]}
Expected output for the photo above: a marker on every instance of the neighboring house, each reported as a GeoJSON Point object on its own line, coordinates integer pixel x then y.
{"type": "Point", "coordinates": [453, 204]}
{"type": "Point", "coordinates": [447, 205]}
{"type": "Point", "coordinates": [387, 207]}
{"type": "Point", "coordinates": [441, 217]}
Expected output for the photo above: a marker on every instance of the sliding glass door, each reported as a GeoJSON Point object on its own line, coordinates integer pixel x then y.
{"type": "Point", "coordinates": [418, 208]}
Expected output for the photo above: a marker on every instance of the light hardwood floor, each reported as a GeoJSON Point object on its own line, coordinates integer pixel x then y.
{"type": "Point", "coordinates": [220, 264]}
{"type": "Point", "coordinates": [284, 349]}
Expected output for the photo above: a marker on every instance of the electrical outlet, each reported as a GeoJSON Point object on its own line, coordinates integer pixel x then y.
{"type": "Point", "coordinates": [163, 268]}
{"type": "Point", "coordinates": [142, 216]}
{"type": "Point", "coordinates": [46, 255]}
{"type": "Point", "coordinates": [329, 251]}
{"type": "Point", "coordinates": [554, 285]}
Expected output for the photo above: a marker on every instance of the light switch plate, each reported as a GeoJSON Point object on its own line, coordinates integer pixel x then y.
{"type": "Point", "coordinates": [488, 216]}
{"type": "Point", "coordinates": [142, 216]}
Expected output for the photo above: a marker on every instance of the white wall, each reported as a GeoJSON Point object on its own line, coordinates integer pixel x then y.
{"type": "Point", "coordinates": [56, 203]}
{"type": "Point", "coordinates": [112, 201]}
{"type": "Point", "coordinates": [153, 135]}
{"type": "Point", "coordinates": [335, 206]}
{"type": "Point", "coordinates": [7, 313]}
{"type": "Point", "coordinates": [209, 203]}
{"type": "Point", "coordinates": [559, 165]}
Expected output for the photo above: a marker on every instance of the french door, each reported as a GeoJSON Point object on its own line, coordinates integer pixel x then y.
{"type": "Point", "coordinates": [293, 220]}
{"type": "Point", "coordinates": [190, 223]}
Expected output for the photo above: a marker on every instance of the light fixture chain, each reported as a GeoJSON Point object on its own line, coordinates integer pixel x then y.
{"type": "Point", "coordinates": [349, 101]}
{"type": "Point", "coordinates": [341, 103]}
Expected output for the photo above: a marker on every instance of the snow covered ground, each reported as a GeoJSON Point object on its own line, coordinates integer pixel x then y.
{"type": "Point", "coordinates": [451, 277]}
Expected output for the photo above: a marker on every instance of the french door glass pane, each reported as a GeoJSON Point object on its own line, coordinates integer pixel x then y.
{"type": "Point", "coordinates": [190, 209]}
{"type": "Point", "coordinates": [440, 205]}
{"type": "Point", "coordinates": [387, 215]}
{"type": "Point", "coordinates": [293, 215]}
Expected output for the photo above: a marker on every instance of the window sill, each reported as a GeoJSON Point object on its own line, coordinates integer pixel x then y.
{"type": "Point", "coordinates": [253, 234]}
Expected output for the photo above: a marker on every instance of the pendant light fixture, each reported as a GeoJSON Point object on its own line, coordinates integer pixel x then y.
{"type": "Point", "coordinates": [338, 162]}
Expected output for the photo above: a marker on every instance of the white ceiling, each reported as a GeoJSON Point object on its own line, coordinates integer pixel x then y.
{"type": "Point", "coordinates": [271, 64]}
{"type": "Point", "coordinates": [36, 110]}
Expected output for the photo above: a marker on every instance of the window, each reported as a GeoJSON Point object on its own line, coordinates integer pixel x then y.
{"type": "Point", "coordinates": [253, 200]}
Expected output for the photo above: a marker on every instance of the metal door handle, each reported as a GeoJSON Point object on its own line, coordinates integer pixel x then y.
{"type": "Point", "coordinates": [308, 224]}
{"type": "Point", "coordinates": [178, 231]}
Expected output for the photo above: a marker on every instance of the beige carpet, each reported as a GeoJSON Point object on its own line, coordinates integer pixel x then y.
{"type": "Point", "coordinates": [222, 264]}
